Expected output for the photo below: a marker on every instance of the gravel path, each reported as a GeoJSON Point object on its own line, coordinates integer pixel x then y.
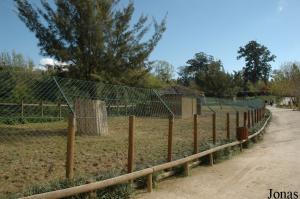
{"type": "Point", "coordinates": [273, 163]}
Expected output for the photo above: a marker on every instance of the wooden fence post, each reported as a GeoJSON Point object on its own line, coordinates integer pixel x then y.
{"type": "Point", "coordinates": [70, 147]}
{"type": "Point", "coordinates": [195, 134]}
{"type": "Point", "coordinates": [59, 109]}
{"type": "Point", "coordinates": [131, 145]}
{"type": "Point", "coordinates": [214, 128]}
{"type": "Point", "coordinates": [42, 109]}
{"type": "Point", "coordinates": [255, 116]}
{"type": "Point", "coordinates": [186, 169]}
{"type": "Point", "coordinates": [248, 119]}
{"type": "Point", "coordinates": [22, 108]}
{"type": "Point", "coordinates": [260, 113]}
{"type": "Point", "coordinates": [245, 119]}
{"type": "Point", "coordinates": [228, 125]}
{"type": "Point", "coordinates": [252, 119]}
{"type": "Point", "coordinates": [149, 182]}
{"type": "Point", "coordinates": [237, 119]}
{"type": "Point", "coordinates": [170, 137]}
{"type": "Point", "coordinates": [211, 159]}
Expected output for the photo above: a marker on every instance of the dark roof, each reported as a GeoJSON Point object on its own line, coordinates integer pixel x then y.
{"type": "Point", "coordinates": [181, 90]}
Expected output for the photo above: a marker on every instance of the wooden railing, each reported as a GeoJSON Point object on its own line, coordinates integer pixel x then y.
{"type": "Point", "coordinates": [149, 171]}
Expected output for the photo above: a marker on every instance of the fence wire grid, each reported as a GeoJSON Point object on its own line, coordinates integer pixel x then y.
{"type": "Point", "coordinates": [34, 111]}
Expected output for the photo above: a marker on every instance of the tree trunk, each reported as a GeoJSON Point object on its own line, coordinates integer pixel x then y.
{"type": "Point", "coordinates": [91, 116]}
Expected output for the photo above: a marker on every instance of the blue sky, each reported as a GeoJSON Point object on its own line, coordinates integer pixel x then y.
{"type": "Point", "coordinates": [215, 27]}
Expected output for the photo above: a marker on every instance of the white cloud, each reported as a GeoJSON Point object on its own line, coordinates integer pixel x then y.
{"type": "Point", "coordinates": [47, 61]}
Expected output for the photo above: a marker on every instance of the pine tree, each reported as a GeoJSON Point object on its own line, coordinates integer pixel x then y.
{"type": "Point", "coordinates": [95, 38]}
{"type": "Point", "coordinates": [257, 58]}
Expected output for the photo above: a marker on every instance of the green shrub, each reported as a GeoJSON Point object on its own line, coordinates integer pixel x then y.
{"type": "Point", "coordinates": [222, 155]}
{"type": "Point", "coordinates": [20, 120]}
{"type": "Point", "coordinates": [56, 185]}
{"type": "Point", "coordinates": [9, 121]}
{"type": "Point", "coordinates": [120, 191]}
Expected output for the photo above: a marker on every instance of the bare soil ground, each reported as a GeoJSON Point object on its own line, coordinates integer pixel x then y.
{"type": "Point", "coordinates": [270, 164]}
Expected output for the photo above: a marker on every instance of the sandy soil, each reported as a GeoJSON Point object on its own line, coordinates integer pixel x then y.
{"type": "Point", "coordinates": [271, 164]}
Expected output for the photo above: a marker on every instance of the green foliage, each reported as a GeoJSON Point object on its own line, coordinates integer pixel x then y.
{"type": "Point", "coordinates": [94, 38]}
{"type": "Point", "coordinates": [57, 185]}
{"type": "Point", "coordinates": [259, 125]}
{"type": "Point", "coordinates": [29, 86]}
{"type": "Point", "coordinates": [151, 81]}
{"type": "Point", "coordinates": [121, 191]}
{"type": "Point", "coordinates": [286, 80]}
{"type": "Point", "coordinates": [20, 120]}
{"type": "Point", "coordinates": [15, 61]}
{"type": "Point", "coordinates": [163, 70]}
{"type": "Point", "coordinates": [259, 86]}
{"type": "Point", "coordinates": [208, 74]}
{"type": "Point", "coordinates": [257, 58]}
{"type": "Point", "coordinates": [222, 155]}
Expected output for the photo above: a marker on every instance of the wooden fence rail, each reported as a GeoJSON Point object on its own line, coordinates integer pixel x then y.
{"type": "Point", "coordinates": [145, 172]}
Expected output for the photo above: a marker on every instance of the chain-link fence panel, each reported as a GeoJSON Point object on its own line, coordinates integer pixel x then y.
{"type": "Point", "coordinates": [151, 141]}
{"type": "Point", "coordinates": [117, 128]}
{"type": "Point", "coordinates": [33, 131]}
{"type": "Point", "coordinates": [102, 114]}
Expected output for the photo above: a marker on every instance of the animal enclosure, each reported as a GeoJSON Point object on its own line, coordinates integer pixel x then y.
{"type": "Point", "coordinates": [34, 112]}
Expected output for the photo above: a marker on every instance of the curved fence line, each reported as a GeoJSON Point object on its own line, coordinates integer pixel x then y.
{"type": "Point", "coordinates": [137, 174]}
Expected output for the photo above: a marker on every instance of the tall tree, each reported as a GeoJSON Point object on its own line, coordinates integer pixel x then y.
{"type": "Point", "coordinates": [15, 61]}
{"type": "Point", "coordinates": [94, 37]}
{"type": "Point", "coordinates": [199, 64]}
{"type": "Point", "coordinates": [163, 70]}
{"type": "Point", "coordinates": [257, 58]}
{"type": "Point", "coordinates": [285, 81]}
{"type": "Point", "coordinates": [207, 73]}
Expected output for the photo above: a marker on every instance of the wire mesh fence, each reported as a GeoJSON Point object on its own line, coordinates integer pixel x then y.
{"type": "Point", "coordinates": [34, 112]}
{"type": "Point", "coordinates": [32, 131]}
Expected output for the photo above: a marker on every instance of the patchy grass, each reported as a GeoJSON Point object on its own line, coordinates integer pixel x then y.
{"type": "Point", "coordinates": [35, 153]}
{"type": "Point", "coordinates": [120, 191]}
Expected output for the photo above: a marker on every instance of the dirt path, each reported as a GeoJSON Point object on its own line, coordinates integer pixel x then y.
{"type": "Point", "coordinates": [271, 164]}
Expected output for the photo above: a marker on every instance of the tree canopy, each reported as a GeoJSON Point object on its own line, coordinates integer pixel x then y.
{"type": "Point", "coordinates": [257, 58]}
{"type": "Point", "coordinates": [207, 74]}
{"type": "Point", "coordinates": [15, 61]}
{"type": "Point", "coordinates": [163, 70]}
{"type": "Point", "coordinates": [285, 81]}
{"type": "Point", "coordinates": [95, 38]}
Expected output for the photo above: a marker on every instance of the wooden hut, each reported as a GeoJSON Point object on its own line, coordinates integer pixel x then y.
{"type": "Point", "coordinates": [184, 102]}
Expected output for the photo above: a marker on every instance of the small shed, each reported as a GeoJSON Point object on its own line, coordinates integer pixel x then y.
{"type": "Point", "coordinates": [184, 102]}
